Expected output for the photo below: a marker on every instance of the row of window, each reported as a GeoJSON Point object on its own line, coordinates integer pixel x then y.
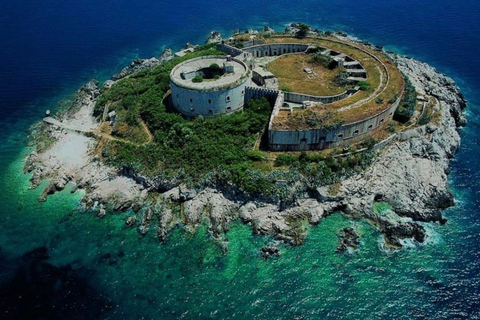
{"type": "Point", "coordinates": [227, 99]}
{"type": "Point", "coordinates": [356, 132]}
{"type": "Point", "coordinates": [258, 53]}
{"type": "Point", "coordinates": [228, 109]}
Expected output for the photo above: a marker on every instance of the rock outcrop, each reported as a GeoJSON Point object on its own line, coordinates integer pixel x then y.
{"type": "Point", "coordinates": [136, 66]}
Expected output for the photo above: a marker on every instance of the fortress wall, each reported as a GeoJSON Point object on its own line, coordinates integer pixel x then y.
{"type": "Point", "coordinates": [299, 98]}
{"type": "Point", "coordinates": [258, 78]}
{"type": "Point", "coordinates": [228, 49]}
{"type": "Point", "coordinates": [257, 93]}
{"type": "Point", "coordinates": [298, 140]}
{"type": "Point", "coordinates": [253, 43]}
{"type": "Point", "coordinates": [192, 103]}
{"type": "Point", "coordinates": [275, 49]}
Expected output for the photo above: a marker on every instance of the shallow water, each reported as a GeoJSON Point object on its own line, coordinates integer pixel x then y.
{"type": "Point", "coordinates": [92, 267]}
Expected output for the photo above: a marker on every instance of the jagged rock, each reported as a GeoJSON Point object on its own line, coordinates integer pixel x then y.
{"type": "Point", "coordinates": [30, 162]}
{"type": "Point", "coordinates": [166, 56]}
{"type": "Point", "coordinates": [212, 205]}
{"type": "Point", "coordinates": [137, 205]}
{"type": "Point", "coordinates": [267, 29]}
{"type": "Point", "coordinates": [245, 211]}
{"type": "Point", "coordinates": [146, 221]}
{"type": "Point", "coordinates": [269, 251]}
{"type": "Point", "coordinates": [108, 84]}
{"type": "Point", "coordinates": [101, 213]}
{"type": "Point", "coordinates": [395, 230]}
{"type": "Point", "coordinates": [185, 194]}
{"type": "Point", "coordinates": [164, 221]}
{"type": "Point", "coordinates": [214, 37]}
{"type": "Point", "coordinates": [50, 188]}
{"type": "Point", "coordinates": [349, 240]}
{"type": "Point", "coordinates": [122, 205]}
{"type": "Point", "coordinates": [60, 183]}
{"type": "Point", "coordinates": [136, 66]}
{"type": "Point", "coordinates": [131, 221]}
{"type": "Point", "coordinates": [172, 195]}
{"type": "Point", "coordinates": [313, 210]}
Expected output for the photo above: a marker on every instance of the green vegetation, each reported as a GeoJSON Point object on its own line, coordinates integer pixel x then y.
{"type": "Point", "coordinates": [364, 85]}
{"type": "Point", "coordinates": [318, 170]}
{"type": "Point", "coordinates": [197, 79]}
{"type": "Point", "coordinates": [324, 61]}
{"type": "Point", "coordinates": [391, 127]}
{"type": "Point", "coordinates": [342, 78]}
{"type": "Point", "coordinates": [210, 152]}
{"type": "Point", "coordinates": [214, 67]}
{"type": "Point", "coordinates": [202, 151]}
{"type": "Point", "coordinates": [407, 105]}
{"type": "Point", "coordinates": [424, 119]}
{"type": "Point", "coordinates": [302, 29]}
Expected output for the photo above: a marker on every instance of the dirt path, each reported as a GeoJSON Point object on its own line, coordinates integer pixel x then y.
{"type": "Point", "coordinates": [98, 132]}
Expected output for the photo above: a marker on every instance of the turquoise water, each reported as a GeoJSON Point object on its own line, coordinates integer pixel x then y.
{"type": "Point", "coordinates": [84, 266]}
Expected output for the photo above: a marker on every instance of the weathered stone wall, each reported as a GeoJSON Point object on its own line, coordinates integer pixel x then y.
{"type": "Point", "coordinates": [209, 98]}
{"type": "Point", "coordinates": [257, 93]}
{"type": "Point", "coordinates": [275, 49]}
{"type": "Point", "coordinates": [228, 49]}
{"type": "Point", "coordinates": [299, 98]}
{"type": "Point", "coordinates": [192, 103]}
{"type": "Point", "coordinates": [298, 140]}
{"type": "Point", "coordinates": [257, 78]}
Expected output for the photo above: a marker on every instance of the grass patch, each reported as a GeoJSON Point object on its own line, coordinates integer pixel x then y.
{"type": "Point", "coordinates": [289, 70]}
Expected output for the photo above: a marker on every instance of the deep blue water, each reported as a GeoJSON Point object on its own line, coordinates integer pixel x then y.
{"type": "Point", "coordinates": [85, 265]}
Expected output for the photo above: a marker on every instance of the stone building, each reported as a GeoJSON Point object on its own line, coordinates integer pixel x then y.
{"type": "Point", "coordinates": [209, 86]}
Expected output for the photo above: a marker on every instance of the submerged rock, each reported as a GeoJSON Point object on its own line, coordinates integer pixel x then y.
{"type": "Point", "coordinates": [349, 240]}
{"type": "Point", "coordinates": [131, 221]}
{"type": "Point", "coordinates": [270, 251]}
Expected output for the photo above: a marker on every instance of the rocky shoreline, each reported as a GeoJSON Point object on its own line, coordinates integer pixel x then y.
{"type": "Point", "coordinates": [409, 173]}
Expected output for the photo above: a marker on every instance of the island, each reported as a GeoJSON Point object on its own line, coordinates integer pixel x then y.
{"type": "Point", "coordinates": [276, 129]}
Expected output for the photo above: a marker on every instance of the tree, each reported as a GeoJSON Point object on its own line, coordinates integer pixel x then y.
{"type": "Point", "coordinates": [302, 30]}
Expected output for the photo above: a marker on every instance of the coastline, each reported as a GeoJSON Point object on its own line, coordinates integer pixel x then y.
{"type": "Point", "coordinates": [417, 160]}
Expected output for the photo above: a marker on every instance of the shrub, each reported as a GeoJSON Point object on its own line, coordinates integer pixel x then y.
{"type": "Point", "coordinates": [324, 61]}
{"type": "Point", "coordinates": [369, 143]}
{"type": "Point", "coordinates": [364, 85]}
{"type": "Point", "coordinates": [424, 119]}
{"type": "Point", "coordinates": [391, 127]}
{"type": "Point", "coordinates": [406, 107]}
{"type": "Point", "coordinates": [285, 160]}
{"type": "Point", "coordinates": [197, 79]}
{"type": "Point", "coordinates": [214, 67]}
{"type": "Point", "coordinates": [341, 78]}
{"type": "Point", "coordinates": [302, 30]}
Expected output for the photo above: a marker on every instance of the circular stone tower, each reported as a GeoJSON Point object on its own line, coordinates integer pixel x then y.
{"type": "Point", "coordinates": [209, 86]}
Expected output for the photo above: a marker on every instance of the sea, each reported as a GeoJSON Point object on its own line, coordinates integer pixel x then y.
{"type": "Point", "coordinates": [59, 262]}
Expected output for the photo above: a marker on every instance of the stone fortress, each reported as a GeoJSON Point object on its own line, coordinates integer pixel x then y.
{"type": "Point", "coordinates": [212, 96]}
{"type": "Point", "coordinates": [299, 120]}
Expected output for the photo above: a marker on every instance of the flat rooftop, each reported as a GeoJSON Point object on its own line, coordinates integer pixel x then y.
{"type": "Point", "coordinates": [196, 64]}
